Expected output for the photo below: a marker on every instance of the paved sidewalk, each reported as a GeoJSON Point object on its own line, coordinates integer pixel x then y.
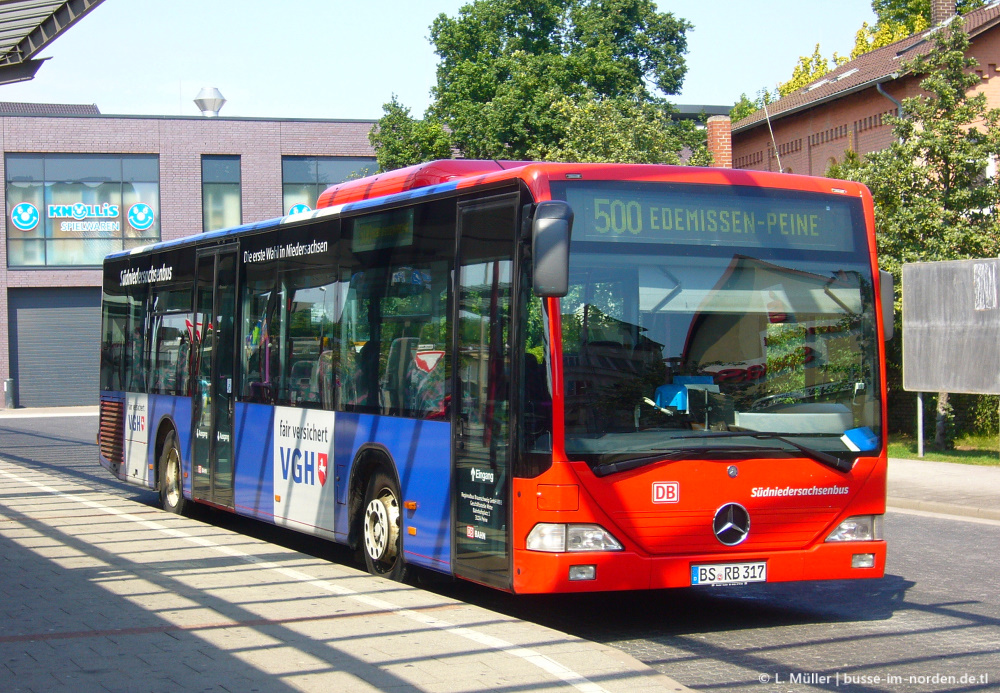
{"type": "Point", "coordinates": [99, 593]}
{"type": "Point", "coordinates": [945, 487]}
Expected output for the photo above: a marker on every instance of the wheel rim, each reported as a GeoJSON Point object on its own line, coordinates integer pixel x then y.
{"type": "Point", "coordinates": [382, 527]}
{"type": "Point", "coordinates": [172, 478]}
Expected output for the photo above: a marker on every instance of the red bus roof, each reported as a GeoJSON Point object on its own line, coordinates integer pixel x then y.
{"type": "Point", "coordinates": [470, 172]}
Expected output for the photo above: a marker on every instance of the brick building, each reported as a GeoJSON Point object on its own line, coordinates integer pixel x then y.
{"type": "Point", "coordinates": [846, 108]}
{"type": "Point", "coordinates": [78, 185]}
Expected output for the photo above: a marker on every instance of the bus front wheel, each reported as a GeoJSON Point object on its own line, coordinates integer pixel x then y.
{"type": "Point", "coordinates": [381, 524]}
{"type": "Point", "coordinates": [171, 492]}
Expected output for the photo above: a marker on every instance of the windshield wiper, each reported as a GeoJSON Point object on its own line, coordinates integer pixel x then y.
{"type": "Point", "coordinates": [663, 454]}
{"type": "Point", "coordinates": [628, 464]}
{"type": "Point", "coordinates": [838, 463]}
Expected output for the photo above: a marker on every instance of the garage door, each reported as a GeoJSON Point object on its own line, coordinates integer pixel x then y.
{"type": "Point", "coordinates": [55, 346]}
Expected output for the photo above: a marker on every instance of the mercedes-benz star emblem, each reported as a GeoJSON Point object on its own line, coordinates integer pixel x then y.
{"type": "Point", "coordinates": [732, 524]}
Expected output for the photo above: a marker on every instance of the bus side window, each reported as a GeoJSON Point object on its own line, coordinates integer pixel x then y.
{"type": "Point", "coordinates": [310, 321]}
{"type": "Point", "coordinates": [259, 343]}
{"type": "Point", "coordinates": [114, 325]}
{"type": "Point", "coordinates": [135, 339]}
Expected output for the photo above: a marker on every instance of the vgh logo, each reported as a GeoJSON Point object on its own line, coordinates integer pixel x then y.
{"type": "Point", "coordinates": [136, 422]}
{"type": "Point", "coordinates": [303, 465]}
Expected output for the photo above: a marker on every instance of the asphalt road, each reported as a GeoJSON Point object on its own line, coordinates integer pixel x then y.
{"type": "Point", "coordinates": [932, 624]}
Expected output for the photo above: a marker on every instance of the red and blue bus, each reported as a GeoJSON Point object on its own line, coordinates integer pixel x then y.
{"type": "Point", "coordinates": [539, 377]}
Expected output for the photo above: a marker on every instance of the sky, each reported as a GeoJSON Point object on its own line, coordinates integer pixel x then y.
{"type": "Point", "coordinates": [342, 59]}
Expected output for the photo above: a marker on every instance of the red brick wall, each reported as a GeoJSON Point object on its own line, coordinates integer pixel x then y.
{"type": "Point", "coordinates": [179, 142]}
{"type": "Point", "coordinates": [808, 142]}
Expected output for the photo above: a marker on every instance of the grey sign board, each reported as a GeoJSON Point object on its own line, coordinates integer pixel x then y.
{"type": "Point", "coordinates": [951, 327]}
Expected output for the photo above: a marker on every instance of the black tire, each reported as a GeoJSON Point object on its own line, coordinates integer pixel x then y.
{"type": "Point", "coordinates": [381, 525]}
{"type": "Point", "coordinates": [171, 485]}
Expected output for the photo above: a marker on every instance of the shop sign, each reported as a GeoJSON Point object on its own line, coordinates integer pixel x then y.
{"type": "Point", "coordinates": [80, 212]}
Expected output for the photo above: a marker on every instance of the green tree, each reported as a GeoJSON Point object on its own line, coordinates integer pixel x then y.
{"type": "Point", "coordinates": [400, 141]}
{"type": "Point", "coordinates": [808, 70]}
{"type": "Point", "coordinates": [897, 19]}
{"type": "Point", "coordinates": [745, 107]}
{"type": "Point", "coordinates": [933, 198]}
{"type": "Point", "coordinates": [504, 63]}
{"type": "Point", "coordinates": [621, 130]}
{"type": "Point", "coordinates": [914, 14]}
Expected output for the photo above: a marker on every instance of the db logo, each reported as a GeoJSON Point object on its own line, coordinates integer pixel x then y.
{"type": "Point", "coordinates": [666, 491]}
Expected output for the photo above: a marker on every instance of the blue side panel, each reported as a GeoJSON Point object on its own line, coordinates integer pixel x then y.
{"type": "Point", "coordinates": [422, 452]}
{"type": "Point", "coordinates": [253, 428]}
{"type": "Point", "coordinates": [176, 410]}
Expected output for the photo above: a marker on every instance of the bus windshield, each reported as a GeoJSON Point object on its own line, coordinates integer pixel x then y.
{"type": "Point", "coordinates": [695, 310]}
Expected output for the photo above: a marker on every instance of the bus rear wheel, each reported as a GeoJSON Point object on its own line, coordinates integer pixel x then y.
{"type": "Point", "coordinates": [380, 528]}
{"type": "Point", "coordinates": [171, 491]}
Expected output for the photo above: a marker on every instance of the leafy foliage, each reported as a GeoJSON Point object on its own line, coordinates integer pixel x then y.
{"type": "Point", "coordinates": [400, 141]}
{"type": "Point", "coordinates": [519, 79]}
{"type": "Point", "coordinates": [808, 70]}
{"type": "Point", "coordinates": [745, 107]}
{"type": "Point", "coordinates": [882, 34]}
{"type": "Point", "coordinates": [915, 14]}
{"type": "Point", "coordinates": [622, 129]}
{"type": "Point", "coordinates": [502, 61]}
{"type": "Point", "coordinates": [897, 19]}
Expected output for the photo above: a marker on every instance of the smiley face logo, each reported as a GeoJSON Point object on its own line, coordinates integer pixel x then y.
{"type": "Point", "coordinates": [24, 216]}
{"type": "Point", "coordinates": [140, 216]}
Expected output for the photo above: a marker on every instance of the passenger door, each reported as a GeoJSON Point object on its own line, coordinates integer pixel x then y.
{"type": "Point", "coordinates": [213, 370]}
{"type": "Point", "coordinates": [482, 426]}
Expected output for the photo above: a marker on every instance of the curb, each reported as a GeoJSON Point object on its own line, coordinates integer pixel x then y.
{"type": "Point", "coordinates": [46, 412]}
{"type": "Point", "coordinates": [943, 508]}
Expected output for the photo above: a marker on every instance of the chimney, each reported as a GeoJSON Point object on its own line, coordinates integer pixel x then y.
{"type": "Point", "coordinates": [720, 141]}
{"type": "Point", "coordinates": [942, 11]}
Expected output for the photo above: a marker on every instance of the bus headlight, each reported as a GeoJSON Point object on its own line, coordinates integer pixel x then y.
{"type": "Point", "coordinates": [858, 528]}
{"type": "Point", "coordinates": [560, 538]}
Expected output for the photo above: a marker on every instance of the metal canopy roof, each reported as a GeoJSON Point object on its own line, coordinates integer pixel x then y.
{"type": "Point", "coordinates": [28, 26]}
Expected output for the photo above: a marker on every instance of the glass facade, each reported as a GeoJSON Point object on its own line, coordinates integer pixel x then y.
{"type": "Point", "coordinates": [304, 178]}
{"type": "Point", "coordinates": [70, 210]}
{"type": "Point", "coordinates": [221, 196]}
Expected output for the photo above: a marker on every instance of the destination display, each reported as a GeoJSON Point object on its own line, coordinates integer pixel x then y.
{"type": "Point", "coordinates": [386, 230]}
{"type": "Point", "coordinates": [704, 215]}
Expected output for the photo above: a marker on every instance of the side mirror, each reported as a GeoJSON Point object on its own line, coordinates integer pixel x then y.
{"type": "Point", "coordinates": [550, 233]}
{"type": "Point", "coordinates": [888, 298]}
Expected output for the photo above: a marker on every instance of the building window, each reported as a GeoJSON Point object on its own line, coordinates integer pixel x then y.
{"type": "Point", "coordinates": [70, 210]}
{"type": "Point", "coordinates": [221, 202]}
{"type": "Point", "coordinates": [303, 178]}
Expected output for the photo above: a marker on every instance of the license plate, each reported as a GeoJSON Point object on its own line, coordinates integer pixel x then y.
{"type": "Point", "coordinates": [728, 573]}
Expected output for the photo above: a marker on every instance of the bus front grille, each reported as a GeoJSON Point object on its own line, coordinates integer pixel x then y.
{"type": "Point", "coordinates": [680, 532]}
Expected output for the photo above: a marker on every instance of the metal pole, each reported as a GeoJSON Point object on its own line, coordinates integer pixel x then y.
{"type": "Point", "coordinates": [920, 424]}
